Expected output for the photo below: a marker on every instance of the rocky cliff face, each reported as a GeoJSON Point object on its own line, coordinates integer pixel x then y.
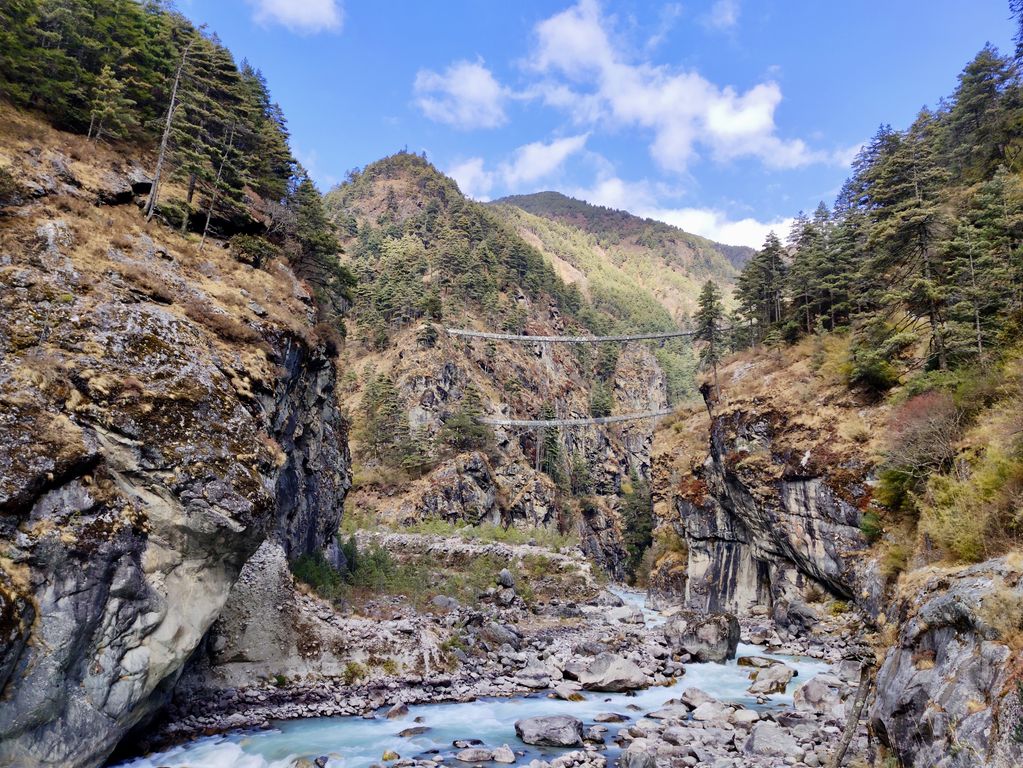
{"type": "Point", "coordinates": [948, 692]}
{"type": "Point", "coordinates": [766, 494]}
{"type": "Point", "coordinates": [770, 509]}
{"type": "Point", "coordinates": [162, 412]}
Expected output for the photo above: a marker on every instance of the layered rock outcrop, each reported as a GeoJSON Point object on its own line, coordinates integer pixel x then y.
{"type": "Point", "coordinates": [949, 692]}
{"type": "Point", "coordinates": [157, 423]}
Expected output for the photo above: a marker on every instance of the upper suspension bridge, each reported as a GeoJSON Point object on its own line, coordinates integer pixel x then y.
{"type": "Point", "coordinates": [571, 422]}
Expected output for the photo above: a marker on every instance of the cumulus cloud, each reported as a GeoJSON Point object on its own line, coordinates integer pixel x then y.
{"type": "Point", "coordinates": [529, 163]}
{"type": "Point", "coordinates": [472, 178]}
{"type": "Point", "coordinates": [538, 159]}
{"type": "Point", "coordinates": [305, 16]}
{"type": "Point", "coordinates": [587, 75]}
{"type": "Point", "coordinates": [718, 226]}
{"type": "Point", "coordinates": [465, 96]}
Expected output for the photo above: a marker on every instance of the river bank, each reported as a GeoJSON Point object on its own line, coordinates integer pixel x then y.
{"type": "Point", "coordinates": [520, 664]}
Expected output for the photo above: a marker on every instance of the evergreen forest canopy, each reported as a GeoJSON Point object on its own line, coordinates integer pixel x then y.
{"type": "Point", "coordinates": [922, 243]}
{"type": "Point", "coordinates": [139, 72]}
{"type": "Point", "coordinates": [911, 289]}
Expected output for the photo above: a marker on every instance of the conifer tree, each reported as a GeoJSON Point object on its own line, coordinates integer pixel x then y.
{"type": "Point", "coordinates": [550, 445]}
{"type": "Point", "coordinates": [909, 225]}
{"type": "Point", "coordinates": [708, 326]}
{"type": "Point", "coordinates": [110, 113]}
{"type": "Point", "coordinates": [463, 431]}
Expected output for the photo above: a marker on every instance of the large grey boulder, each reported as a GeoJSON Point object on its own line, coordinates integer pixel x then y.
{"type": "Point", "coordinates": [626, 614]}
{"type": "Point", "coordinates": [768, 739]}
{"type": "Point", "coordinates": [550, 731]}
{"type": "Point", "coordinates": [824, 694]}
{"type": "Point", "coordinates": [704, 636]}
{"type": "Point", "coordinates": [608, 672]}
{"type": "Point", "coordinates": [771, 679]}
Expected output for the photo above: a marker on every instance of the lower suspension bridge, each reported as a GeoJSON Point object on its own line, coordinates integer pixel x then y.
{"type": "Point", "coordinates": [572, 422]}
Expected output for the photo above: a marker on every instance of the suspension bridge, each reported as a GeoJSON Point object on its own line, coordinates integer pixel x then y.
{"type": "Point", "coordinates": [566, 339]}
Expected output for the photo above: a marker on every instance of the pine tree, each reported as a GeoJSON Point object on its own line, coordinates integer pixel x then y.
{"type": "Point", "coordinates": [909, 225]}
{"type": "Point", "coordinates": [463, 431]}
{"type": "Point", "coordinates": [111, 108]}
{"type": "Point", "coordinates": [760, 287]}
{"type": "Point", "coordinates": [708, 326]}
{"type": "Point", "coordinates": [550, 445]}
{"type": "Point", "coordinates": [384, 429]}
{"type": "Point", "coordinates": [979, 119]}
{"type": "Point", "coordinates": [601, 399]}
{"type": "Point", "coordinates": [314, 248]}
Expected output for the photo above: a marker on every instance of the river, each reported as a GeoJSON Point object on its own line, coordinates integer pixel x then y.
{"type": "Point", "coordinates": [354, 742]}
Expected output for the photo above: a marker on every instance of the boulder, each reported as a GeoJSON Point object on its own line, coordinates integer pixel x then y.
{"type": "Point", "coordinates": [474, 755]}
{"type": "Point", "coordinates": [627, 614]}
{"type": "Point", "coordinates": [504, 754]}
{"type": "Point", "coordinates": [768, 739]}
{"type": "Point", "coordinates": [713, 712]}
{"type": "Point", "coordinates": [637, 756]}
{"type": "Point", "coordinates": [550, 731]}
{"type": "Point", "coordinates": [608, 672]}
{"type": "Point", "coordinates": [505, 579]}
{"type": "Point", "coordinates": [772, 679]}
{"type": "Point", "coordinates": [398, 710]}
{"type": "Point", "coordinates": [609, 717]}
{"type": "Point", "coordinates": [444, 603]}
{"type": "Point", "coordinates": [416, 730]}
{"type": "Point", "coordinates": [607, 599]}
{"type": "Point", "coordinates": [533, 677]}
{"type": "Point", "coordinates": [824, 694]}
{"type": "Point", "coordinates": [704, 636]}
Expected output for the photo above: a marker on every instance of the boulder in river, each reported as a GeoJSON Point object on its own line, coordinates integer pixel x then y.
{"type": "Point", "coordinates": [474, 755]}
{"type": "Point", "coordinates": [772, 679]}
{"type": "Point", "coordinates": [504, 754]}
{"type": "Point", "coordinates": [608, 672]}
{"type": "Point", "coordinates": [550, 731]}
{"type": "Point", "coordinates": [704, 636]}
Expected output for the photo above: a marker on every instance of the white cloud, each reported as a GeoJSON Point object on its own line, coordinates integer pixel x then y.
{"type": "Point", "coordinates": [723, 14]}
{"type": "Point", "coordinates": [465, 96]}
{"type": "Point", "coordinates": [717, 226]}
{"type": "Point", "coordinates": [472, 178]}
{"type": "Point", "coordinates": [529, 163]}
{"type": "Point", "coordinates": [536, 160]}
{"type": "Point", "coordinates": [306, 16]}
{"type": "Point", "coordinates": [590, 78]}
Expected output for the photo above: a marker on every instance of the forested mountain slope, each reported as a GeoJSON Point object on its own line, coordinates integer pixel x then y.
{"type": "Point", "coordinates": [425, 257]}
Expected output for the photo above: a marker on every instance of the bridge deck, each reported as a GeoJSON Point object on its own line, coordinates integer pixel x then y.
{"type": "Point", "coordinates": [566, 339]}
{"type": "Point", "coordinates": [534, 423]}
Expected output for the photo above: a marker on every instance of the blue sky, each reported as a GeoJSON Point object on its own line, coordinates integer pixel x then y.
{"type": "Point", "coordinates": [725, 117]}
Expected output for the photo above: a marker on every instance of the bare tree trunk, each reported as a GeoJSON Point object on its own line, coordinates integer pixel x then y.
{"type": "Point", "coordinates": [853, 721]}
{"type": "Point", "coordinates": [154, 193]}
{"type": "Point", "coordinates": [216, 186]}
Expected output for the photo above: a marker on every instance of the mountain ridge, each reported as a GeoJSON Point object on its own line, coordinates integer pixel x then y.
{"type": "Point", "coordinates": [567, 209]}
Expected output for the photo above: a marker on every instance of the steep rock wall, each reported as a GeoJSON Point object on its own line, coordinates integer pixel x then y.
{"type": "Point", "coordinates": [948, 692]}
{"type": "Point", "coordinates": [762, 524]}
{"type": "Point", "coordinates": [154, 429]}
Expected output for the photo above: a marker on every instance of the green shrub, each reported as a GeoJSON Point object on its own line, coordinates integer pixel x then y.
{"type": "Point", "coordinates": [315, 571]}
{"type": "Point", "coordinates": [353, 672]}
{"type": "Point", "coordinates": [253, 250]}
{"type": "Point", "coordinates": [870, 526]}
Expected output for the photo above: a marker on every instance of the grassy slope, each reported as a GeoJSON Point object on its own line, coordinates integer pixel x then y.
{"type": "Point", "coordinates": [605, 245]}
